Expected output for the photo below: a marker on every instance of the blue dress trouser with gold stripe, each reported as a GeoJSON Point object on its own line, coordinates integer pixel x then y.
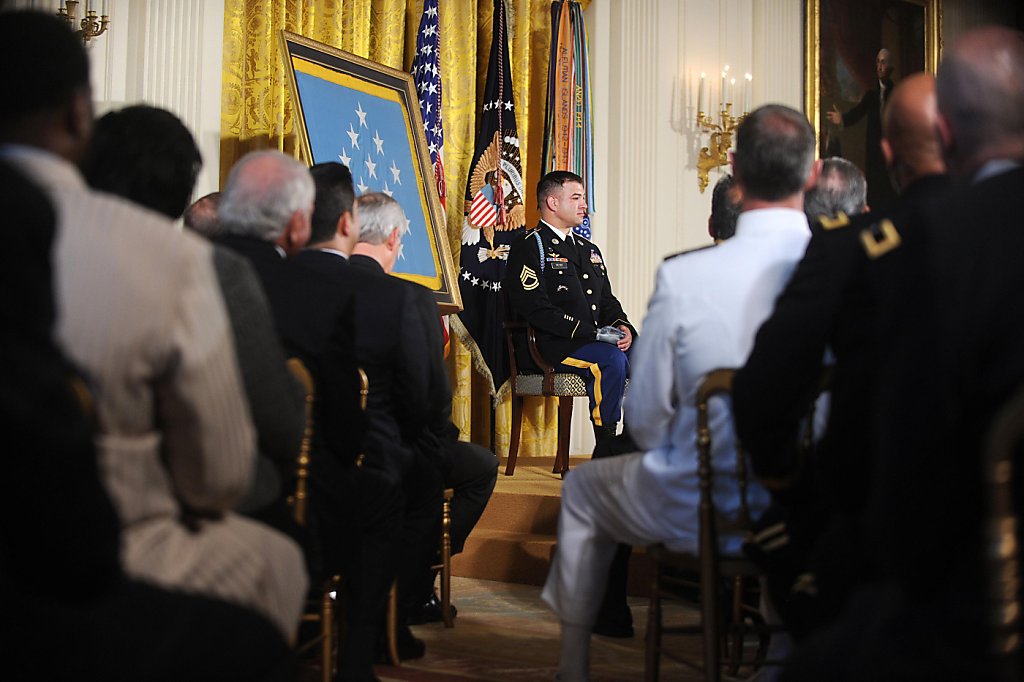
{"type": "Point", "coordinates": [604, 368]}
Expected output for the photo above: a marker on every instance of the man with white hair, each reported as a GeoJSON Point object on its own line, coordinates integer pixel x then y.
{"type": "Point", "coordinates": [356, 505]}
{"type": "Point", "coordinates": [841, 189]}
{"type": "Point", "coordinates": [411, 365]}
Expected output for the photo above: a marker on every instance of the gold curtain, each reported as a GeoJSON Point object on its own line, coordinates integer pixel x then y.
{"type": "Point", "coordinates": [256, 114]}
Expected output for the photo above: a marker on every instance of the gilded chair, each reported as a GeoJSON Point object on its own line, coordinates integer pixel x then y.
{"type": "Point", "coordinates": [723, 581]}
{"type": "Point", "coordinates": [1004, 449]}
{"type": "Point", "coordinates": [323, 608]}
{"type": "Point", "coordinates": [444, 565]}
{"type": "Point", "coordinates": [562, 385]}
{"type": "Point", "coordinates": [320, 609]}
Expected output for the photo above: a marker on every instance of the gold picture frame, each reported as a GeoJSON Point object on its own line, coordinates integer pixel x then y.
{"type": "Point", "coordinates": [367, 116]}
{"type": "Point", "coordinates": [908, 23]}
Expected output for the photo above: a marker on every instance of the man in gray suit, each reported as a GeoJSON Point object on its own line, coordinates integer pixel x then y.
{"type": "Point", "coordinates": [140, 312]}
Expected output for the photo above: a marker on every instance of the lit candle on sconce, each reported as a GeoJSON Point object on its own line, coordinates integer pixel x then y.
{"type": "Point", "coordinates": [725, 96]}
{"type": "Point", "coordinates": [732, 90]}
{"type": "Point", "coordinates": [700, 92]}
{"type": "Point", "coordinates": [746, 93]}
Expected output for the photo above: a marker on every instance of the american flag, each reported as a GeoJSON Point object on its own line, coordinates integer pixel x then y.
{"type": "Point", "coordinates": [426, 74]}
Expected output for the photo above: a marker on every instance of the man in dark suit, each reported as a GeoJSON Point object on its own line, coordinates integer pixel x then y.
{"type": "Point", "coordinates": [56, 518]}
{"type": "Point", "coordinates": [953, 357]}
{"type": "Point", "coordinates": [558, 282]}
{"type": "Point", "coordinates": [841, 188]}
{"type": "Point", "coordinates": [356, 499]}
{"type": "Point", "coordinates": [870, 107]}
{"type": "Point", "coordinates": [396, 330]}
{"type": "Point", "coordinates": [831, 305]}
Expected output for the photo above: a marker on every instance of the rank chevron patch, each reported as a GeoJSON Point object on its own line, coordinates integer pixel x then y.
{"type": "Point", "coordinates": [529, 279]}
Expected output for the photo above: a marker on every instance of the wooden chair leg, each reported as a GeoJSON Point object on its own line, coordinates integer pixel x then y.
{"type": "Point", "coordinates": [736, 630]}
{"type": "Point", "coordinates": [446, 560]}
{"type": "Point", "coordinates": [328, 633]}
{"type": "Point", "coordinates": [392, 626]}
{"type": "Point", "coordinates": [513, 440]}
{"type": "Point", "coordinates": [564, 430]}
{"type": "Point", "coordinates": [710, 625]}
{"type": "Point", "coordinates": [652, 642]}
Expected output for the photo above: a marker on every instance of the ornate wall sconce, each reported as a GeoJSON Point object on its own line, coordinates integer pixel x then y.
{"type": "Point", "coordinates": [717, 152]}
{"type": "Point", "coordinates": [91, 26]}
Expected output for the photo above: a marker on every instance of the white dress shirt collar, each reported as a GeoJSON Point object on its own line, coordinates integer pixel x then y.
{"type": "Point", "coordinates": [561, 235]}
{"type": "Point", "coordinates": [334, 251]}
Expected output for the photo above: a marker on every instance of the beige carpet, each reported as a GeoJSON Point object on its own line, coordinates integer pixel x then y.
{"type": "Point", "coordinates": [505, 632]}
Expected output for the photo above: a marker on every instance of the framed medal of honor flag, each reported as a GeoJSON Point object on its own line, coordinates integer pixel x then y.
{"type": "Point", "coordinates": [366, 115]}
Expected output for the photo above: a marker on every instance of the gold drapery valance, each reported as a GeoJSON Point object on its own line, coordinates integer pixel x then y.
{"type": "Point", "coordinates": [256, 114]}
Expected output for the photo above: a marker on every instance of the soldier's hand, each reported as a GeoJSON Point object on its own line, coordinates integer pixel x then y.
{"type": "Point", "coordinates": [626, 341]}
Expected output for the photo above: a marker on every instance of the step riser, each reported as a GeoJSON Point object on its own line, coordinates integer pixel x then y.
{"type": "Point", "coordinates": [513, 558]}
{"type": "Point", "coordinates": [521, 513]}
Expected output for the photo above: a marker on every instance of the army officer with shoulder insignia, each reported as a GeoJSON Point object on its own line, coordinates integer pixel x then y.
{"type": "Point", "coordinates": [557, 281]}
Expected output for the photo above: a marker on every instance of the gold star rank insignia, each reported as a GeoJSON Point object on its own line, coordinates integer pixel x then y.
{"type": "Point", "coordinates": [529, 279]}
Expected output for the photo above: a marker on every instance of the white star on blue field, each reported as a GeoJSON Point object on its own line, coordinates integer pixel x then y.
{"type": "Point", "coordinates": [369, 135]}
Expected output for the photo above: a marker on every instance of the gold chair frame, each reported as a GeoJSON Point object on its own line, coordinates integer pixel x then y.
{"type": "Point", "coordinates": [562, 385]}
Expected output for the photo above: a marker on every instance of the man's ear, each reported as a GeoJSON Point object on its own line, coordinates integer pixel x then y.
{"type": "Point", "coordinates": [392, 241]}
{"type": "Point", "coordinates": [551, 201]}
{"type": "Point", "coordinates": [296, 234]}
{"type": "Point", "coordinates": [887, 152]}
{"type": "Point", "coordinates": [78, 120]}
{"type": "Point", "coordinates": [812, 179]}
{"type": "Point", "coordinates": [345, 224]}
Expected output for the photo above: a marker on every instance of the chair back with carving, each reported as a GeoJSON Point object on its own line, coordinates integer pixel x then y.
{"type": "Point", "coordinates": [321, 608]}
{"type": "Point", "coordinates": [1003, 454]}
{"type": "Point", "coordinates": [726, 583]}
{"type": "Point", "coordinates": [299, 501]}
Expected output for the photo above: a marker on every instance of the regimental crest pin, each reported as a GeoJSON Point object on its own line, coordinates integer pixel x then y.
{"type": "Point", "coordinates": [529, 279]}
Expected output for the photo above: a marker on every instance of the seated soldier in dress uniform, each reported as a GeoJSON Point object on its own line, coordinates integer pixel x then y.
{"type": "Point", "coordinates": [557, 281]}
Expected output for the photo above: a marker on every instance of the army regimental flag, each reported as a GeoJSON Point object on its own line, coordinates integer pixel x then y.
{"type": "Point", "coordinates": [494, 216]}
{"type": "Point", "coordinates": [568, 129]}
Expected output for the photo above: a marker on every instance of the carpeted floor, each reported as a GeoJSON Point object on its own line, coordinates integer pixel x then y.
{"type": "Point", "coordinates": [505, 632]}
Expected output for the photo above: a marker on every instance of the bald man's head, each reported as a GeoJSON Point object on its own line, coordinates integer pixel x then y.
{"type": "Point", "coordinates": [910, 137]}
{"type": "Point", "coordinates": [981, 98]}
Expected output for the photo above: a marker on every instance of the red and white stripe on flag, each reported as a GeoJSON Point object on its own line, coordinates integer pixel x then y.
{"type": "Point", "coordinates": [482, 212]}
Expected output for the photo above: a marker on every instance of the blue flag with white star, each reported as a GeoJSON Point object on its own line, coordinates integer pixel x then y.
{"type": "Point", "coordinates": [364, 127]}
{"type": "Point", "coordinates": [494, 216]}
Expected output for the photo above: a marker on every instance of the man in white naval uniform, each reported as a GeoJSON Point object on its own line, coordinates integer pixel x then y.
{"type": "Point", "coordinates": [703, 315]}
